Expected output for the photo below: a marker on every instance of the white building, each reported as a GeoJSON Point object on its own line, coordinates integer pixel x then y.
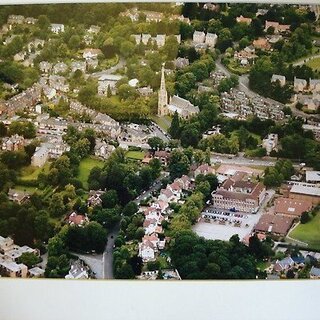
{"type": "Point", "coordinates": [199, 37]}
{"type": "Point", "coordinates": [57, 28]}
{"type": "Point", "coordinates": [211, 39]}
{"type": "Point", "coordinates": [40, 156]}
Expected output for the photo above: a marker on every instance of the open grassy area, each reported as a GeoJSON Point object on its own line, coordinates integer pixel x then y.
{"type": "Point", "coordinates": [32, 173]}
{"type": "Point", "coordinates": [237, 68]}
{"type": "Point", "coordinates": [135, 155]}
{"type": "Point", "coordinates": [85, 167]}
{"type": "Point", "coordinates": [314, 64]}
{"type": "Point", "coordinates": [30, 190]}
{"type": "Point", "coordinates": [163, 122]}
{"type": "Point", "coordinates": [308, 232]}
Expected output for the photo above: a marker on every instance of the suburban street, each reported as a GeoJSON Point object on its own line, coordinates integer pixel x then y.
{"type": "Point", "coordinates": [108, 253]}
{"type": "Point", "coordinates": [111, 70]}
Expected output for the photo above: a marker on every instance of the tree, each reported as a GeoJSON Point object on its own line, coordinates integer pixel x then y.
{"type": "Point", "coordinates": [305, 217]}
{"type": "Point", "coordinates": [3, 130]}
{"type": "Point", "coordinates": [109, 92]}
{"type": "Point", "coordinates": [43, 22]}
{"type": "Point", "coordinates": [74, 42]}
{"type": "Point", "coordinates": [29, 259]}
{"type": "Point", "coordinates": [109, 199]}
{"type": "Point", "coordinates": [156, 143]}
{"type": "Point", "coordinates": [127, 49]}
{"type": "Point", "coordinates": [130, 209]}
{"type": "Point", "coordinates": [174, 129]}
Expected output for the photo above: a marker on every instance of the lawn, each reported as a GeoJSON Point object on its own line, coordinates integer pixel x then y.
{"type": "Point", "coordinates": [163, 122]}
{"type": "Point", "coordinates": [85, 167]}
{"type": "Point", "coordinates": [135, 155]}
{"type": "Point", "coordinates": [236, 68]}
{"type": "Point", "coordinates": [308, 232]}
{"type": "Point", "coordinates": [314, 64]}
{"type": "Point", "coordinates": [32, 173]}
{"type": "Point", "coordinates": [30, 190]}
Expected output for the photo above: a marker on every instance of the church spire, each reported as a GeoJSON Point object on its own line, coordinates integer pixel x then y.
{"type": "Point", "coordinates": [162, 96]}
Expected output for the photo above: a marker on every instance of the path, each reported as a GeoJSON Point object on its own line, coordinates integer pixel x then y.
{"type": "Point", "coordinates": [305, 60]}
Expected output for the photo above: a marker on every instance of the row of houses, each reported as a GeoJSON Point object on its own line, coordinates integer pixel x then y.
{"type": "Point", "coordinates": [202, 40]}
{"type": "Point", "coordinates": [153, 241]}
{"type": "Point", "coordinates": [237, 102]}
{"type": "Point", "coordinates": [9, 260]}
{"type": "Point", "coordinates": [159, 39]}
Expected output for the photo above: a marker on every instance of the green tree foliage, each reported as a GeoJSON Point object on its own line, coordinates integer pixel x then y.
{"type": "Point", "coordinates": [25, 129]}
{"type": "Point", "coordinates": [197, 258]}
{"type": "Point", "coordinates": [29, 259]}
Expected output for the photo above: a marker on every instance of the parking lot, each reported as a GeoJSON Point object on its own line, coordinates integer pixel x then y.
{"type": "Point", "coordinates": [223, 225]}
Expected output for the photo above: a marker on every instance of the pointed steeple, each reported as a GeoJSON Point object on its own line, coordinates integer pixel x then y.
{"type": "Point", "coordinates": [162, 95]}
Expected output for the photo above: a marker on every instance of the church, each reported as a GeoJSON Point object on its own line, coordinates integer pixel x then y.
{"type": "Point", "coordinates": [184, 108]}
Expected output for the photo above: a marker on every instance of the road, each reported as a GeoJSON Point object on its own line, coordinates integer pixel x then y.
{"type": "Point", "coordinates": [303, 61]}
{"type": "Point", "coordinates": [244, 86]}
{"type": "Point", "coordinates": [111, 70]}
{"type": "Point", "coordinates": [108, 253]}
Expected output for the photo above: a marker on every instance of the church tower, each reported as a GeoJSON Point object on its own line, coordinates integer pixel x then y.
{"type": "Point", "coordinates": [162, 96]}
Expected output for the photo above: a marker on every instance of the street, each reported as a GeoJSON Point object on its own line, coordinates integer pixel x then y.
{"type": "Point", "coordinates": [108, 253]}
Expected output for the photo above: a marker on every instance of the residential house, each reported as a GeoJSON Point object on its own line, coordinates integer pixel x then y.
{"type": "Point", "coordinates": [314, 85]}
{"type": "Point", "coordinates": [315, 128]}
{"type": "Point", "coordinates": [145, 91]}
{"type": "Point", "coordinates": [315, 273]}
{"type": "Point", "coordinates": [283, 265]}
{"type": "Point", "coordinates": [313, 176]}
{"type": "Point", "coordinates": [77, 271]}
{"type": "Point", "coordinates": [211, 39]}
{"type": "Point", "coordinates": [35, 45]}
{"type": "Point", "coordinates": [137, 38]}
{"type": "Point", "coordinates": [204, 169]}
{"type": "Point", "coordinates": [281, 79]}
{"type": "Point", "coordinates": [160, 40]}
{"type": "Point", "coordinates": [103, 149]}
{"type": "Point", "coordinates": [181, 63]}
{"type": "Point", "coordinates": [36, 272]}
{"type": "Point", "coordinates": [90, 53]}
{"type": "Point", "coordinates": [18, 196]}
{"type": "Point", "coordinates": [59, 68]}
{"type": "Point", "coordinates": [242, 19]}
{"type": "Point", "coordinates": [31, 20]}
{"type": "Point", "coordinates": [270, 143]}
{"type": "Point", "coordinates": [94, 29]}
{"type": "Point", "coordinates": [163, 156]}
{"type": "Point", "coordinates": [94, 198]}
{"type": "Point", "coordinates": [13, 143]}
{"type": "Point", "coordinates": [262, 44]}
{"type": "Point", "coordinates": [278, 28]}
{"type": "Point", "coordinates": [79, 220]}
{"type": "Point", "coordinates": [57, 28]}
{"type": "Point", "coordinates": [199, 37]}
{"type": "Point", "coordinates": [78, 65]}
{"type": "Point", "coordinates": [45, 66]}
{"type": "Point", "coordinates": [40, 156]}
{"type": "Point", "coordinates": [108, 80]}
{"type": "Point", "coordinates": [311, 102]}
{"type": "Point", "coordinates": [20, 56]}
{"type": "Point", "coordinates": [15, 19]}
{"type": "Point", "coordinates": [145, 37]}
{"type": "Point", "coordinates": [299, 85]}
{"type": "Point", "coordinates": [58, 83]}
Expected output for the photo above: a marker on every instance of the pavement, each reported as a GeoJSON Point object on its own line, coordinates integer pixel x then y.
{"type": "Point", "coordinates": [94, 262]}
{"type": "Point", "coordinates": [111, 70]}
{"type": "Point", "coordinates": [215, 231]}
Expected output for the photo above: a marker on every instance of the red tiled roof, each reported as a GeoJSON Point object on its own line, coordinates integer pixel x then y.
{"type": "Point", "coordinates": [292, 206]}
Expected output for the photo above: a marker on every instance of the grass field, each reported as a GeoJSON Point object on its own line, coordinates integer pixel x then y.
{"type": "Point", "coordinates": [308, 232]}
{"type": "Point", "coordinates": [32, 173]}
{"type": "Point", "coordinates": [135, 155]}
{"type": "Point", "coordinates": [314, 64]}
{"type": "Point", "coordinates": [163, 122]}
{"type": "Point", "coordinates": [85, 167]}
{"type": "Point", "coordinates": [30, 190]}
